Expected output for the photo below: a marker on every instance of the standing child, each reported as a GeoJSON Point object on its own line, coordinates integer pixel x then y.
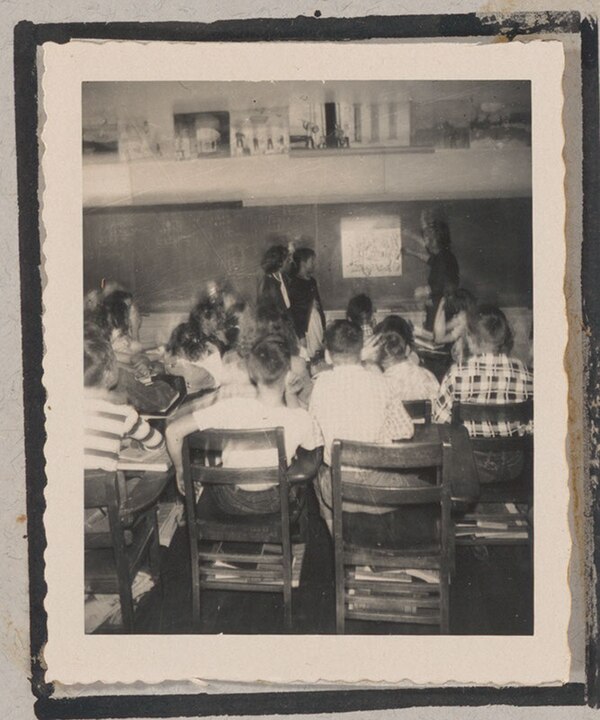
{"type": "Point", "coordinates": [306, 308]}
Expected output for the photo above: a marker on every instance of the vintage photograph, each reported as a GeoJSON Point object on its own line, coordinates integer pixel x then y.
{"type": "Point", "coordinates": [308, 361]}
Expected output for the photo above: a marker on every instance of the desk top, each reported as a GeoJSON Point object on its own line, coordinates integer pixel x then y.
{"type": "Point", "coordinates": [464, 478]}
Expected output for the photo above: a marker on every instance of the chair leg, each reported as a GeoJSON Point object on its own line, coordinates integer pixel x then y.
{"type": "Point", "coordinates": [444, 605]}
{"type": "Point", "coordinates": [154, 550]}
{"type": "Point", "coordinates": [287, 607]}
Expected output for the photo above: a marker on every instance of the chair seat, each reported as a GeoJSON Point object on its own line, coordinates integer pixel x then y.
{"type": "Point", "coordinates": [215, 524]}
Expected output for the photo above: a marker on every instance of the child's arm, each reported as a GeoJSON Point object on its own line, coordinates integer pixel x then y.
{"type": "Point", "coordinates": [145, 434]}
{"type": "Point", "coordinates": [177, 431]}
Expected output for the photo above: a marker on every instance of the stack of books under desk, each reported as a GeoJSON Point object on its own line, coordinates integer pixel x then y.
{"type": "Point", "coordinates": [248, 563]}
{"type": "Point", "coordinates": [393, 592]}
{"type": "Point", "coordinates": [497, 523]}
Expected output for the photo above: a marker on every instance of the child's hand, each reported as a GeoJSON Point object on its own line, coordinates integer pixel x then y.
{"type": "Point", "coordinates": [293, 384]}
{"type": "Point", "coordinates": [370, 351]}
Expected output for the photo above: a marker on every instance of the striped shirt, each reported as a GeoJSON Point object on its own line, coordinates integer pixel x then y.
{"type": "Point", "coordinates": [106, 426]}
{"type": "Point", "coordinates": [488, 379]}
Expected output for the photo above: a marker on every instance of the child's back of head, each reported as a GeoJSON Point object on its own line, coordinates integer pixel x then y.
{"type": "Point", "coordinates": [344, 341]}
{"type": "Point", "coordinates": [269, 361]}
{"type": "Point", "coordinates": [488, 330]}
{"type": "Point", "coordinates": [99, 362]}
{"type": "Point", "coordinates": [188, 342]}
{"type": "Point", "coordinates": [360, 310]}
{"type": "Point", "coordinates": [394, 339]}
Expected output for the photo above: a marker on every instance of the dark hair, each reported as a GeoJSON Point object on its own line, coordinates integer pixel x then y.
{"type": "Point", "coordinates": [442, 233]}
{"type": "Point", "coordinates": [458, 301]}
{"type": "Point", "coordinates": [360, 309]}
{"type": "Point", "coordinates": [207, 317]}
{"type": "Point", "coordinates": [488, 324]}
{"type": "Point", "coordinates": [98, 358]}
{"type": "Point", "coordinates": [343, 337]}
{"type": "Point", "coordinates": [269, 360]}
{"type": "Point", "coordinates": [187, 342]}
{"type": "Point", "coordinates": [116, 308]}
{"type": "Point", "coordinates": [302, 255]}
{"type": "Point", "coordinates": [274, 258]}
{"type": "Point", "coordinates": [394, 336]}
{"type": "Point", "coordinates": [269, 321]}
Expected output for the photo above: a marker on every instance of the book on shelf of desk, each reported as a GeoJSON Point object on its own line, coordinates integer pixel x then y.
{"type": "Point", "coordinates": [501, 520]}
{"type": "Point", "coordinates": [235, 568]}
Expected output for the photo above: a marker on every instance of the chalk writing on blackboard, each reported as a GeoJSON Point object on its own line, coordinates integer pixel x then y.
{"type": "Point", "coordinates": [371, 246]}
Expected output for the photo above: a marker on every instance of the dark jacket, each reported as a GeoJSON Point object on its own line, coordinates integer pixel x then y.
{"type": "Point", "coordinates": [303, 294]}
{"type": "Point", "coordinates": [269, 293]}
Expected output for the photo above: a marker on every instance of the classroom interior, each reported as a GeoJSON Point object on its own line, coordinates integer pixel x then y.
{"type": "Point", "coordinates": [167, 209]}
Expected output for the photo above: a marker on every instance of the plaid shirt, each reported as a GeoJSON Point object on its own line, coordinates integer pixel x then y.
{"type": "Point", "coordinates": [487, 379]}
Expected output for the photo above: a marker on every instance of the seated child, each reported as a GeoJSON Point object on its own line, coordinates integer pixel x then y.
{"type": "Point", "coordinates": [351, 403]}
{"type": "Point", "coordinates": [406, 379]}
{"type": "Point", "coordinates": [488, 376]}
{"type": "Point", "coordinates": [108, 422]}
{"type": "Point", "coordinates": [268, 365]}
{"type": "Point", "coordinates": [450, 324]}
{"type": "Point", "coordinates": [360, 312]}
{"type": "Point", "coordinates": [269, 321]}
{"type": "Point", "coordinates": [192, 356]}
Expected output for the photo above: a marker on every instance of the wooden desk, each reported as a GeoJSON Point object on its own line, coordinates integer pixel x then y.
{"type": "Point", "coordinates": [463, 473]}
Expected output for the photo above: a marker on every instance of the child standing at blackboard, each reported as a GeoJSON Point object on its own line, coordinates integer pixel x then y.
{"type": "Point", "coordinates": [305, 303]}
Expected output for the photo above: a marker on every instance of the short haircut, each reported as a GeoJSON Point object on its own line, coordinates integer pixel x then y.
{"type": "Point", "coordinates": [302, 255]}
{"type": "Point", "coordinates": [394, 336]}
{"type": "Point", "coordinates": [269, 360]}
{"type": "Point", "coordinates": [360, 309]}
{"type": "Point", "coordinates": [116, 308]}
{"type": "Point", "coordinates": [344, 338]}
{"type": "Point", "coordinates": [270, 321]}
{"type": "Point", "coordinates": [98, 358]}
{"type": "Point", "coordinates": [274, 258]}
{"type": "Point", "coordinates": [187, 341]}
{"type": "Point", "coordinates": [488, 325]}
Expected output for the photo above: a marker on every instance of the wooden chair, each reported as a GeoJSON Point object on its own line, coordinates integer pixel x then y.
{"type": "Point", "coordinates": [419, 410]}
{"type": "Point", "coordinates": [378, 557]}
{"type": "Point", "coordinates": [128, 541]}
{"type": "Point", "coordinates": [502, 514]}
{"type": "Point", "coordinates": [236, 542]}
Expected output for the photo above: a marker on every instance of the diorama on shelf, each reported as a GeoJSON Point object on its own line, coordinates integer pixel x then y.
{"type": "Point", "coordinates": [201, 134]}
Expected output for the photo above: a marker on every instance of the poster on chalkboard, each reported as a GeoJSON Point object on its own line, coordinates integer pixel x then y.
{"type": "Point", "coordinates": [371, 246]}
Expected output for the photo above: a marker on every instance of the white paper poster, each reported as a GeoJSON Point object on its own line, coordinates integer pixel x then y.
{"type": "Point", "coordinates": [371, 246]}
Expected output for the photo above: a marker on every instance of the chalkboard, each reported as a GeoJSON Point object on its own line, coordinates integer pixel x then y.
{"type": "Point", "coordinates": [164, 255]}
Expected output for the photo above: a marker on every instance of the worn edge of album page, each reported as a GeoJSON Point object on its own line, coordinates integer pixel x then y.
{"type": "Point", "coordinates": [73, 657]}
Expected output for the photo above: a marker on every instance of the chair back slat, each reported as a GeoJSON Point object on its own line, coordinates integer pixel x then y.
{"type": "Point", "coordinates": [518, 412]}
{"type": "Point", "coordinates": [419, 410]}
{"type": "Point", "coordinates": [233, 476]}
{"type": "Point", "coordinates": [389, 496]}
{"type": "Point", "coordinates": [502, 444]}
{"type": "Point", "coordinates": [401, 455]}
{"type": "Point", "coordinates": [215, 440]}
